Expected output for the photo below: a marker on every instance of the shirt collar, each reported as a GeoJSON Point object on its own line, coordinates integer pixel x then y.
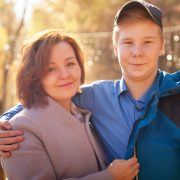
{"type": "Point", "coordinates": [154, 88]}
{"type": "Point", "coordinates": [122, 87]}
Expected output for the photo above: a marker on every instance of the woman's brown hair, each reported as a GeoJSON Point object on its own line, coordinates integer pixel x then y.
{"type": "Point", "coordinates": [34, 64]}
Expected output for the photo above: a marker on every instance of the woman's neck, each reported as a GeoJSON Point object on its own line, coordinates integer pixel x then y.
{"type": "Point", "coordinates": [66, 104]}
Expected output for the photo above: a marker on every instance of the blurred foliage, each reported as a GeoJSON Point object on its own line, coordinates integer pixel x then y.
{"type": "Point", "coordinates": [91, 16]}
{"type": "Point", "coordinates": [75, 15]}
{"type": "Point", "coordinates": [10, 29]}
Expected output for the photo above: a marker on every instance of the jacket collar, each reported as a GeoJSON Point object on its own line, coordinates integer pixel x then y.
{"type": "Point", "coordinates": [169, 84]}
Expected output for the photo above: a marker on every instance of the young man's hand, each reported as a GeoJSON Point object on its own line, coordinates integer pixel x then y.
{"type": "Point", "coordinates": [9, 139]}
{"type": "Point", "coordinates": [124, 169]}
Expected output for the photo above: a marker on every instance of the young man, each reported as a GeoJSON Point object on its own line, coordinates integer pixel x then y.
{"type": "Point", "coordinates": [139, 113]}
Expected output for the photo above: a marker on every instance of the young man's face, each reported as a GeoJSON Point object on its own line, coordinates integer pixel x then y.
{"type": "Point", "coordinates": [138, 48]}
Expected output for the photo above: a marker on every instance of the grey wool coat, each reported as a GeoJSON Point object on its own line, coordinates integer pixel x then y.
{"type": "Point", "coordinates": [56, 146]}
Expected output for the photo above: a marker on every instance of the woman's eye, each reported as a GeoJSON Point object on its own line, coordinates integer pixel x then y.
{"type": "Point", "coordinates": [51, 69]}
{"type": "Point", "coordinates": [71, 64]}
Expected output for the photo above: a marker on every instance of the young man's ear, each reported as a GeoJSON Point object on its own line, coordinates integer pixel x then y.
{"type": "Point", "coordinates": [115, 50]}
{"type": "Point", "coordinates": [162, 52]}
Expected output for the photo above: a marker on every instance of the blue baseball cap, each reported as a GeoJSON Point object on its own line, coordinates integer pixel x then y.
{"type": "Point", "coordinates": [154, 12]}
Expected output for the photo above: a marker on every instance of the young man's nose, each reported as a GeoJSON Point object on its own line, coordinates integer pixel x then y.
{"type": "Point", "coordinates": [137, 51]}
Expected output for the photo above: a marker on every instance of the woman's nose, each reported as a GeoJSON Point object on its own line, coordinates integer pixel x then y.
{"type": "Point", "coordinates": [63, 73]}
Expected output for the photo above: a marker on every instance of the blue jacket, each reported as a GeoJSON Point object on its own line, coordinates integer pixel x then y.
{"type": "Point", "coordinates": [156, 135]}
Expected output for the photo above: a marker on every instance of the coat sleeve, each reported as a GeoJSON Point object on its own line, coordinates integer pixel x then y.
{"type": "Point", "coordinates": [30, 161]}
{"type": "Point", "coordinates": [101, 175]}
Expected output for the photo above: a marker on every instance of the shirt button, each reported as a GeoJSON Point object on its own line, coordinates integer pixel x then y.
{"type": "Point", "coordinates": [140, 108]}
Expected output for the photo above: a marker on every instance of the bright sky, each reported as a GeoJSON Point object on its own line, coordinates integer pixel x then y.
{"type": "Point", "coordinates": [19, 6]}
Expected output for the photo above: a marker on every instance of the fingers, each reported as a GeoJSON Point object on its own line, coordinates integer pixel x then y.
{"type": "Point", "coordinates": [5, 125]}
{"type": "Point", "coordinates": [135, 169]}
{"type": "Point", "coordinates": [6, 148]}
{"type": "Point", "coordinates": [134, 166]}
{"type": "Point", "coordinates": [5, 154]}
{"type": "Point", "coordinates": [11, 140]}
{"type": "Point", "coordinates": [135, 173]}
{"type": "Point", "coordinates": [132, 161]}
{"type": "Point", "coordinates": [10, 133]}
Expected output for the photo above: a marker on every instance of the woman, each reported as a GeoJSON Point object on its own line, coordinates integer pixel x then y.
{"type": "Point", "coordinates": [58, 141]}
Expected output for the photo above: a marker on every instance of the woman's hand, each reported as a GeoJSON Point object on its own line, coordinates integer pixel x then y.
{"type": "Point", "coordinates": [9, 139]}
{"type": "Point", "coordinates": [124, 169]}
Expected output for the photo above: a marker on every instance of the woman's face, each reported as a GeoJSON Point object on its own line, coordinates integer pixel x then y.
{"type": "Point", "coordinates": [64, 74]}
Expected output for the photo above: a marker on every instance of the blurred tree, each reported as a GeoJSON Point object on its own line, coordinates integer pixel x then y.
{"type": "Point", "coordinates": [91, 16]}
{"type": "Point", "coordinates": [75, 15]}
{"type": "Point", "coordinates": [11, 28]}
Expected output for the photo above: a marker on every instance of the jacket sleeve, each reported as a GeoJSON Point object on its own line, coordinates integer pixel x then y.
{"type": "Point", "coordinates": [11, 112]}
{"type": "Point", "coordinates": [30, 161]}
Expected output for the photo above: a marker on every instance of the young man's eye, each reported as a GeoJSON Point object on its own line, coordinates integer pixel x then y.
{"type": "Point", "coordinates": [147, 42]}
{"type": "Point", "coordinates": [127, 42]}
{"type": "Point", "coordinates": [51, 69]}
